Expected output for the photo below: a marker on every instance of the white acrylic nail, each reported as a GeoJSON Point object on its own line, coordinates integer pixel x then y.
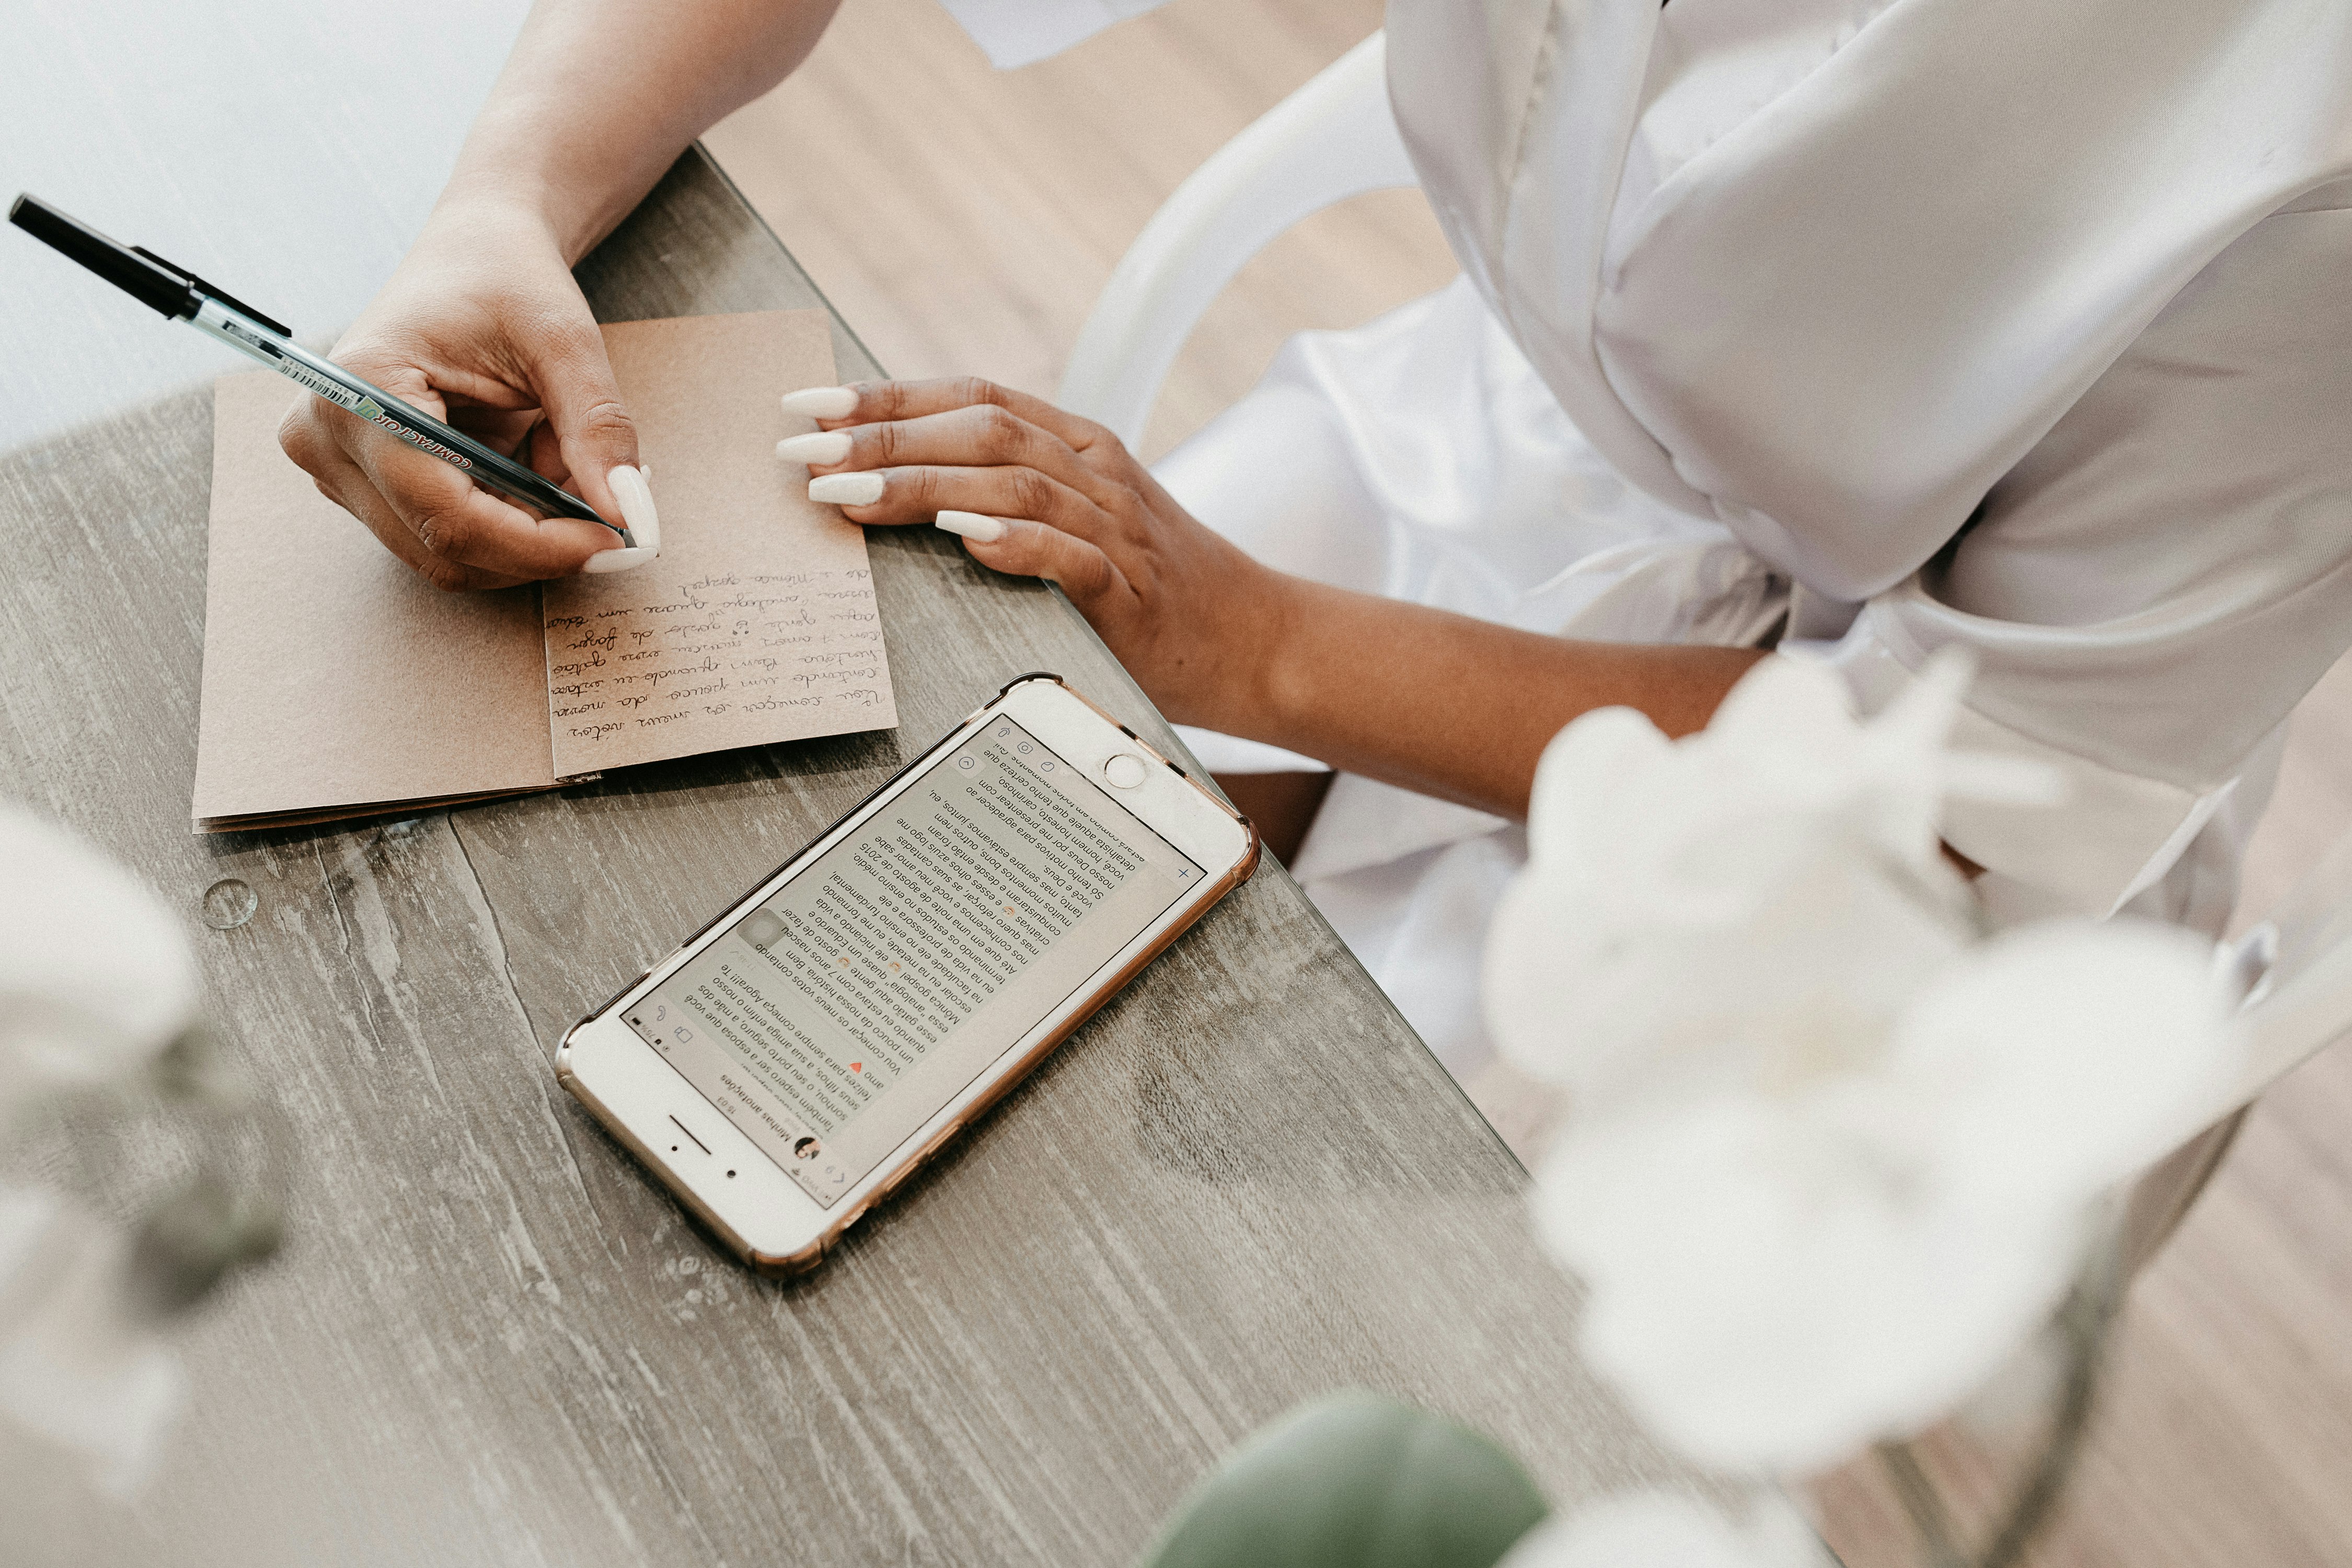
{"type": "Point", "coordinates": [622, 560]}
{"type": "Point", "coordinates": [822, 447]}
{"type": "Point", "coordinates": [823, 402]}
{"type": "Point", "coordinates": [979, 529]}
{"type": "Point", "coordinates": [637, 498]}
{"type": "Point", "coordinates": [846, 489]}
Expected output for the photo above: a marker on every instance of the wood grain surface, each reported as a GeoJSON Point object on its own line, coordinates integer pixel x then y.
{"type": "Point", "coordinates": [491, 1341]}
{"type": "Point", "coordinates": [974, 236]}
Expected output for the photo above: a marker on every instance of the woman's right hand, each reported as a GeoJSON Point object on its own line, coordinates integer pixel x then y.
{"type": "Point", "coordinates": [483, 327]}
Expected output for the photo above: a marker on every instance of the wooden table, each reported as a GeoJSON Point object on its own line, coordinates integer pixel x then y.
{"type": "Point", "coordinates": [492, 1340]}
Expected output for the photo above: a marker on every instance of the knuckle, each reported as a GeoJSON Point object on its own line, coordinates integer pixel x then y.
{"type": "Point", "coordinates": [606, 420]}
{"type": "Point", "coordinates": [445, 533]}
{"type": "Point", "coordinates": [980, 391]}
{"type": "Point", "coordinates": [1126, 499]}
{"type": "Point", "coordinates": [563, 323]}
{"type": "Point", "coordinates": [1033, 494]}
{"type": "Point", "coordinates": [298, 436]}
{"type": "Point", "coordinates": [1105, 447]}
{"type": "Point", "coordinates": [1000, 432]}
{"type": "Point", "coordinates": [402, 375]}
{"type": "Point", "coordinates": [375, 355]}
{"type": "Point", "coordinates": [384, 369]}
{"type": "Point", "coordinates": [1090, 575]}
{"type": "Point", "coordinates": [885, 442]}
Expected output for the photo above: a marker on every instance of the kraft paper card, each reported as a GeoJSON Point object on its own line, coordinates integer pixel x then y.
{"type": "Point", "coordinates": [336, 684]}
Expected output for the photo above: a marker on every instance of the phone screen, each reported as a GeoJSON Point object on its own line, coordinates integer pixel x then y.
{"type": "Point", "coordinates": [834, 1019]}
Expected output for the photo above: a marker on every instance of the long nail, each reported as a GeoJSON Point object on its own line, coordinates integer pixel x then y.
{"type": "Point", "coordinates": [846, 489]}
{"type": "Point", "coordinates": [823, 402]}
{"type": "Point", "coordinates": [637, 498]}
{"type": "Point", "coordinates": [973, 526]}
{"type": "Point", "coordinates": [821, 446]}
{"type": "Point", "coordinates": [622, 560]}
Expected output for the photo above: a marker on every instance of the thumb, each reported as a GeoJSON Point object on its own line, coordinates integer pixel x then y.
{"type": "Point", "coordinates": [593, 433]}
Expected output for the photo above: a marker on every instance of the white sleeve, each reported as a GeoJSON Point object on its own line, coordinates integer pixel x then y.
{"type": "Point", "coordinates": [1021, 32]}
{"type": "Point", "coordinates": [2148, 594]}
{"type": "Point", "coordinates": [2024, 327]}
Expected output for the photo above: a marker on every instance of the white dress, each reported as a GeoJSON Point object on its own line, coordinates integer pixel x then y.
{"type": "Point", "coordinates": [1895, 326]}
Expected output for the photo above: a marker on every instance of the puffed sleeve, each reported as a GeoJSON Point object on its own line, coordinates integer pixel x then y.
{"type": "Point", "coordinates": [1021, 32]}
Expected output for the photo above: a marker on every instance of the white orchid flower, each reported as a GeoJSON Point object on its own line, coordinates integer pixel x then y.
{"type": "Point", "coordinates": [95, 976]}
{"type": "Point", "coordinates": [1688, 903]}
{"type": "Point", "coordinates": [1831, 1157]}
{"type": "Point", "coordinates": [78, 1363]}
{"type": "Point", "coordinates": [95, 980]}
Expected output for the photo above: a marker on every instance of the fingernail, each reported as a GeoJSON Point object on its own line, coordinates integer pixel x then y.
{"type": "Point", "coordinates": [973, 526]}
{"type": "Point", "coordinates": [823, 402]}
{"type": "Point", "coordinates": [822, 447]}
{"type": "Point", "coordinates": [846, 489]}
{"type": "Point", "coordinates": [637, 498]}
{"type": "Point", "coordinates": [622, 560]}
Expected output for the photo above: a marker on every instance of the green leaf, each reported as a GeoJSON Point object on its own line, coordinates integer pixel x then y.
{"type": "Point", "coordinates": [1354, 1480]}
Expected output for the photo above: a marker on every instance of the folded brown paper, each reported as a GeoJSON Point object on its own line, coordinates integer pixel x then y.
{"type": "Point", "coordinates": [336, 683]}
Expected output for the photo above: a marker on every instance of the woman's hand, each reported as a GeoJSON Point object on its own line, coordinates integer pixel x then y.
{"type": "Point", "coordinates": [1416, 697]}
{"type": "Point", "coordinates": [483, 327]}
{"type": "Point", "coordinates": [1043, 493]}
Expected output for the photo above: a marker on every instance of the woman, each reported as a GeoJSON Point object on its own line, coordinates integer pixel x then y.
{"type": "Point", "coordinates": [1870, 328]}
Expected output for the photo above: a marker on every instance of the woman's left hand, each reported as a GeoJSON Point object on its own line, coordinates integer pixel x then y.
{"type": "Point", "coordinates": [1192, 617]}
{"type": "Point", "coordinates": [1416, 697]}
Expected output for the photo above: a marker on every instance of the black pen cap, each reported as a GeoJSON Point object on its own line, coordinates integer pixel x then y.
{"type": "Point", "coordinates": [134, 274]}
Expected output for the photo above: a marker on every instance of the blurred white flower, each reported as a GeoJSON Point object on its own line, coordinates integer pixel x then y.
{"type": "Point", "coordinates": [1662, 1530]}
{"type": "Point", "coordinates": [1829, 1158]}
{"type": "Point", "coordinates": [78, 1365]}
{"type": "Point", "coordinates": [95, 980]}
{"type": "Point", "coordinates": [95, 976]}
{"type": "Point", "coordinates": [1692, 908]}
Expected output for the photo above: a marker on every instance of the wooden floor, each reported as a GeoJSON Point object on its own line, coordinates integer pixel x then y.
{"type": "Point", "coordinates": [964, 219]}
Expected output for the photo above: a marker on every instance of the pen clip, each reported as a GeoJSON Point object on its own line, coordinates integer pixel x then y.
{"type": "Point", "coordinates": [213, 290]}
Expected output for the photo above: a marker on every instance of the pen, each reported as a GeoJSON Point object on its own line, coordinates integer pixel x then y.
{"type": "Point", "coordinates": [181, 295]}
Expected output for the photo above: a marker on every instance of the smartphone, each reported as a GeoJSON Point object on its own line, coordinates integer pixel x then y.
{"type": "Point", "coordinates": [805, 1052]}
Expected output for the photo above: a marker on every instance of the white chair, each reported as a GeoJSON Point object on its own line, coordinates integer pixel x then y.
{"type": "Point", "coordinates": [2296, 970]}
{"type": "Point", "coordinates": [2297, 965]}
{"type": "Point", "coordinates": [1332, 139]}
